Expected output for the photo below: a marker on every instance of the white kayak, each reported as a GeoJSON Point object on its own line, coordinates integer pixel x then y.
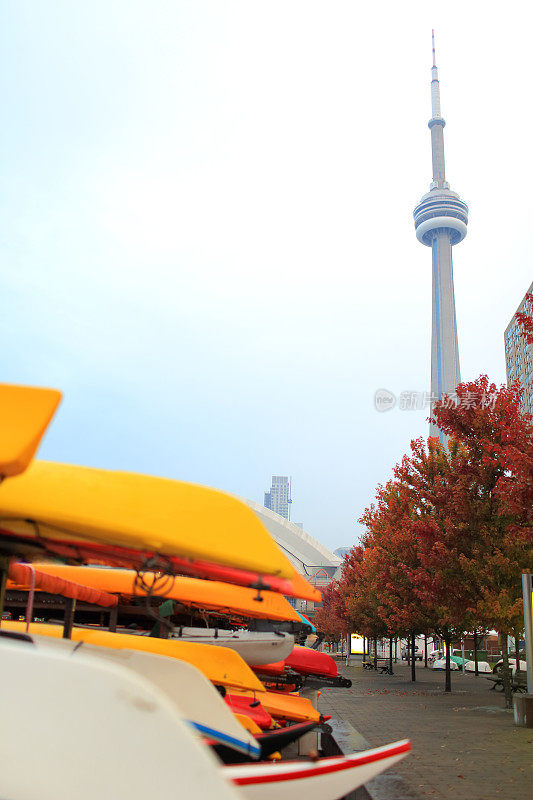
{"type": "Point", "coordinates": [324, 779]}
{"type": "Point", "coordinates": [197, 700]}
{"type": "Point", "coordinates": [87, 728]}
{"type": "Point", "coordinates": [254, 647]}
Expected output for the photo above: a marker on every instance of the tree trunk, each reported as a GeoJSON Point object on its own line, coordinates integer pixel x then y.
{"type": "Point", "coordinates": [476, 671]}
{"type": "Point", "coordinates": [448, 679]}
{"type": "Point", "coordinates": [516, 649]}
{"type": "Point", "coordinates": [413, 661]}
{"type": "Point", "coordinates": [390, 655]}
{"type": "Point", "coordinates": [396, 650]}
{"type": "Point", "coordinates": [426, 650]}
{"type": "Point", "coordinates": [506, 673]}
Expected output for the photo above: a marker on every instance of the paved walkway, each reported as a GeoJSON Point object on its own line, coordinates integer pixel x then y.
{"type": "Point", "coordinates": [465, 745]}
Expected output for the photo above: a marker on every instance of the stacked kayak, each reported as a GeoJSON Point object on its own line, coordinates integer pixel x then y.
{"type": "Point", "coordinates": [208, 595]}
{"type": "Point", "coordinates": [124, 518]}
{"type": "Point", "coordinates": [222, 666]}
{"type": "Point", "coordinates": [156, 669]}
{"type": "Point", "coordinates": [304, 666]}
{"type": "Point", "coordinates": [283, 706]}
{"type": "Point", "coordinates": [254, 647]}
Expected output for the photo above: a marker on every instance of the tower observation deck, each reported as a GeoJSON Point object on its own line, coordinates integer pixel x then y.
{"type": "Point", "coordinates": [441, 218]}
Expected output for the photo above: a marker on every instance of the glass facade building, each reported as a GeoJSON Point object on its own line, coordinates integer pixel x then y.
{"type": "Point", "coordinates": [519, 357]}
{"type": "Point", "coordinates": [278, 498]}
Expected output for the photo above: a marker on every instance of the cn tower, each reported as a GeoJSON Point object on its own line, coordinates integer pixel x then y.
{"type": "Point", "coordinates": [441, 218]}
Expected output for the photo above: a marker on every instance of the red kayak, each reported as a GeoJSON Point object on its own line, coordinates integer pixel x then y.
{"type": "Point", "coordinates": [302, 660]}
{"type": "Point", "coordinates": [311, 662]}
{"type": "Point", "coordinates": [302, 666]}
{"type": "Point", "coordinates": [240, 704]}
{"type": "Point", "coordinates": [276, 668]}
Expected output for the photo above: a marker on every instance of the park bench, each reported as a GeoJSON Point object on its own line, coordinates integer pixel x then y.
{"type": "Point", "coordinates": [381, 665]}
{"type": "Point", "coordinates": [518, 682]}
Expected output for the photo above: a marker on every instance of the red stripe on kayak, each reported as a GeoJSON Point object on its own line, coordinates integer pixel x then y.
{"type": "Point", "coordinates": [325, 769]}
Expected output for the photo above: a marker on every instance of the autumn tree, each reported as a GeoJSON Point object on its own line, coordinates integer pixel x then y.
{"type": "Point", "coordinates": [331, 618]}
{"type": "Point", "coordinates": [490, 519]}
{"type": "Point", "coordinates": [393, 559]}
{"type": "Point", "coordinates": [361, 595]}
{"type": "Point", "coordinates": [449, 534]}
{"type": "Point", "coordinates": [428, 477]}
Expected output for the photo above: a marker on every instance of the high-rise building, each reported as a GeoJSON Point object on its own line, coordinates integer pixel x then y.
{"type": "Point", "coordinates": [441, 218]}
{"type": "Point", "coordinates": [278, 499]}
{"type": "Point", "coordinates": [341, 552]}
{"type": "Point", "coordinates": [519, 356]}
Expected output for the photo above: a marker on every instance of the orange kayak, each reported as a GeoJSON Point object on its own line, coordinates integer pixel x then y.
{"type": "Point", "coordinates": [285, 706]}
{"type": "Point", "coordinates": [205, 595]}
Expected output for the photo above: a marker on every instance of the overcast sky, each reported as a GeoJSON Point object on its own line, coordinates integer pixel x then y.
{"type": "Point", "coordinates": [206, 229]}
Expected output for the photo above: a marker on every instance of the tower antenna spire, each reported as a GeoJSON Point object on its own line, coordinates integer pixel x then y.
{"type": "Point", "coordinates": [435, 91]}
{"type": "Point", "coordinates": [441, 220]}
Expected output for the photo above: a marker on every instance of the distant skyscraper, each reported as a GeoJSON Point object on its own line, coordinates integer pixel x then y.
{"type": "Point", "coordinates": [278, 499]}
{"type": "Point", "coordinates": [441, 218]}
{"type": "Point", "coordinates": [519, 357]}
{"type": "Point", "coordinates": [342, 551]}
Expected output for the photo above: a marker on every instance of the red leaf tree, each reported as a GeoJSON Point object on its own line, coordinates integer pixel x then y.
{"type": "Point", "coordinates": [491, 517]}
{"type": "Point", "coordinates": [447, 538]}
{"type": "Point", "coordinates": [525, 319]}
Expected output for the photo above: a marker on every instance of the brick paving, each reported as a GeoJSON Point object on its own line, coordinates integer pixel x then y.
{"type": "Point", "coordinates": [465, 745]}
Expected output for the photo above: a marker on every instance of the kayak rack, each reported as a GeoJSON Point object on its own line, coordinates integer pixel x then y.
{"type": "Point", "coordinates": [26, 580]}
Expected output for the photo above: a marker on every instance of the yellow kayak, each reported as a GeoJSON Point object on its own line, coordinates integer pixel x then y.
{"type": "Point", "coordinates": [206, 595]}
{"type": "Point", "coordinates": [68, 508]}
{"type": "Point", "coordinates": [220, 665]}
{"type": "Point", "coordinates": [25, 413]}
{"type": "Point", "coordinates": [248, 724]}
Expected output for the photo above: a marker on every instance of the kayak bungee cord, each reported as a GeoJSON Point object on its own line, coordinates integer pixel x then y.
{"type": "Point", "coordinates": [161, 580]}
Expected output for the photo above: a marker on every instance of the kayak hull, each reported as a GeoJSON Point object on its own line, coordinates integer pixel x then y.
{"type": "Point", "coordinates": [63, 504]}
{"type": "Point", "coordinates": [324, 779]}
{"type": "Point", "coordinates": [207, 595]}
{"type": "Point", "coordinates": [221, 666]}
{"type": "Point", "coordinates": [284, 706]}
{"type": "Point", "coordinates": [251, 708]}
{"type": "Point", "coordinates": [311, 662]}
{"type": "Point", "coordinates": [94, 729]}
{"type": "Point", "coordinates": [253, 647]}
